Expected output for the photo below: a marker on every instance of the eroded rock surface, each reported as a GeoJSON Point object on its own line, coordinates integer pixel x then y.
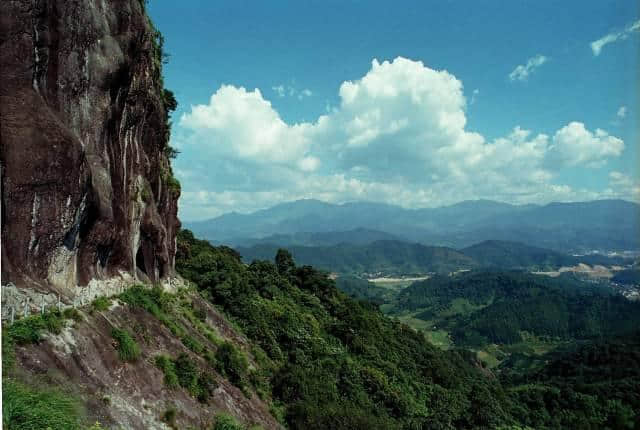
{"type": "Point", "coordinates": [87, 189]}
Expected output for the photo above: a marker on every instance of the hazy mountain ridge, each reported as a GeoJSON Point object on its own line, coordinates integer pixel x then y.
{"type": "Point", "coordinates": [582, 226]}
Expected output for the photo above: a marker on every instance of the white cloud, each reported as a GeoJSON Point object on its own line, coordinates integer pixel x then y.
{"type": "Point", "coordinates": [288, 90]}
{"type": "Point", "coordinates": [398, 135]}
{"type": "Point", "coordinates": [597, 45]}
{"type": "Point", "coordinates": [622, 112]}
{"type": "Point", "coordinates": [522, 71]}
{"type": "Point", "coordinates": [241, 124]}
{"type": "Point", "coordinates": [574, 145]}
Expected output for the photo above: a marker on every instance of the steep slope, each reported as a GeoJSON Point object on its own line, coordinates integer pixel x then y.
{"type": "Point", "coordinates": [81, 354]}
{"type": "Point", "coordinates": [87, 188]}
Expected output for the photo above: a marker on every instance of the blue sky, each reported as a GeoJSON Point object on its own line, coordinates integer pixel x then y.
{"type": "Point", "coordinates": [444, 114]}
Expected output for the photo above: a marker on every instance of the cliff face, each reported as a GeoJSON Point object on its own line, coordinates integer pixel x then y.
{"type": "Point", "coordinates": [87, 188]}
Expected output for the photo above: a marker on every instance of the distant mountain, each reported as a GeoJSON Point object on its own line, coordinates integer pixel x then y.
{"type": "Point", "coordinates": [576, 227]}
{"type": "Point", "coordinates": [387, 256]}
{"type": "Point", "coordinates": [515, 255]}
{"type": "Point", "coordinates": [359, 236]}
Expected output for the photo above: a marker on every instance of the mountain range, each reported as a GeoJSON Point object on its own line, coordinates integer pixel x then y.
{"type": "Point", "coordinates": [565, 227]}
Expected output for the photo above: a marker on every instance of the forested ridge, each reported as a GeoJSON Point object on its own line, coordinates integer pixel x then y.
{"type": "Point", "coordinates": [329, 361]}
{"type": "Point", "coordinates": [509, 303]}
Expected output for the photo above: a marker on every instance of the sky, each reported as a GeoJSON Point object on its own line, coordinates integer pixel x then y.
{"type": "Point", "coordinates": [413, 103]}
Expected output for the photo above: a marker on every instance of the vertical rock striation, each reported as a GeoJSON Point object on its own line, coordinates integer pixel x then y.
{"type": "Point", "coordinates": [87, 187]}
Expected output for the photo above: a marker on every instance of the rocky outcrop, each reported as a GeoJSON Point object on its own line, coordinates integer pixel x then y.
{"type": "Point", "coordinates": [87, 188]}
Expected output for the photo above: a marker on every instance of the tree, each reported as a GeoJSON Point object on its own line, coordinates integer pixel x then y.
{"type": "Point", "coordinates": [284, 262]}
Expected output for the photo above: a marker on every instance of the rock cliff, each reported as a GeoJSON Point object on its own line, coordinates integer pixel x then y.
{"type": "Point", "coordinates": [87, 187]}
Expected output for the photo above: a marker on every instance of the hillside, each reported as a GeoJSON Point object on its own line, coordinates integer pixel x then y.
{"type": "Point", "coordinates": [500, 306]}
{"type": "Point", "coordinates": [516, 255]}
{"type": "Point", "coordinates": [332, 362]}
{"type": "Point", "coordinates": [386, 257]}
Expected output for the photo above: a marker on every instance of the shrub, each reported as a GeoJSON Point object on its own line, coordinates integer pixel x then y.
{"type": "Point", "coordinates": [72, 314]}
{"type": "Point", "coordinates": [232, 363]}
{"type": "Point", "coordinates": [128, 349]}
{"type": "Point", "coordinates": [187, 373]}
{"type": "Point", "coordinates": [101, 303]}
{"type": "Point", "coordinates": [192, 344]}
{"type": "Point", "coordinates": [206, 386]}
{"type": "Point", "coordinates": [167, 366]}
{"type": "Point", "coordinates": [173, 184]}
{"type": "Point", "coordinates": [226, 422]}
{"type": "Point", "coordinates": [26, 330]}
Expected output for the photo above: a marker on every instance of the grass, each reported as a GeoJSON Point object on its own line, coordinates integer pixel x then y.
{"type": "Point", "coordinates": [27, 408]}
{"type": "Point", "coordinates": [128, 349]}
{"type": "Point", "coordinates": [226, 422]}
{"type": "Point", "coordinates": [29, 330]}
{"type": "Point", "coordinates": [168, 368]}
{"type": "Point", "coordinates": [439, 338]}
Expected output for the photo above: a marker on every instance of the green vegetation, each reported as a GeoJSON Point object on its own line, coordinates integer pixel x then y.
{"type": "Point", "coordinates": [25, 407]}
{"type": "Point", "coordinates": [387, 256]}
{"type": "Point", "coordinates": [184, 372]}
{"type": "Point", "coordinates": [168, 368]}
{"type": "Point", "coordinates": [29, 330]}
{"type": "Point", "coordinates": [514, 255]}
{"type": "Point", "coordinates": [226, 422]}
{"type": "Point", "coordinates": [363, 290]}
{"type": "Point", "coordinates": [232, 363]}
{"type": "Point", "coordinates": [478, 308]}
{"type": "Point", "coordinates": [128, 349]}
{"type": "Point", "coordinates": [333, 362]}
{"type": "Point", "coordinates": [101, 303]}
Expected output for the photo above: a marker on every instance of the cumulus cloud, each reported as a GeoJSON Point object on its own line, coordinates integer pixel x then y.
{"type": "Point", "coordinates": [522, 71]}
{"type": "Point", "coordinates": [574, 145]}
{"type": "Point", "coordinates": [597, 45]}
{"type": "Point", "coordinates": [398, 134]}
{"type": "Point", "coordinates": [242, 124]}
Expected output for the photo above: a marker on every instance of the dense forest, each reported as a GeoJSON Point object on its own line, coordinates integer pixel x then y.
{"type": "Point", "coordinates": [329, 361]}
{"type": "Point", "coordinates": [505, 304]}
